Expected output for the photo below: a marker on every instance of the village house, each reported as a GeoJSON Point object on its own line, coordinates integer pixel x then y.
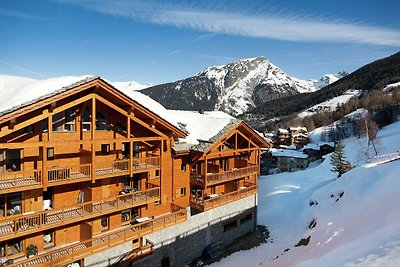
{"type": "Point", "coordinates": [91, 175]}
{"type": "Point", "coordinates": [290, 160]}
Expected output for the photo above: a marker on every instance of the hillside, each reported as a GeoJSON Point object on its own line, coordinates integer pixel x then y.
{"type": "Point", "coordinates": [372, 76]}
{"type": "Point", "coordinates": [235, 87]}
{"type": "Point", "coordinates": [357, 222]}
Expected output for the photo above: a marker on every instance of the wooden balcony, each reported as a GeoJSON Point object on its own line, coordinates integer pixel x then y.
{"type": "Point", "coordinates": [204, 204]}
{"type": "Point", "coordinates": [27, 223]}
{"type": "Point", "coordinates": [142, 164]}
{"type": "Point", "coordinates": [78, 250]}
{"type": "Point", "coordinates": [14, 181]}
{"type": "Point", "coordinates": [28, 180]}
{"type": "Point", "coordinates": [215, 178]}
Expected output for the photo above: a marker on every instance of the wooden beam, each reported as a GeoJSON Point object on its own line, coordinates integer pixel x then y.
{"type": "Point", "coordinates": [135, 119]}
{"type": "Point", "coordinates": [44, 115]}
{"type": "Point", "coordinates": [93, 121]}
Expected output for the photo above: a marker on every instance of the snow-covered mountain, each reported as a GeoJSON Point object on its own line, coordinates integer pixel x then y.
{"type": "Point", "coordinates": [327, 79]}
{"type": "Point", "coordinates": [232, 88]}
{"type": "Point", "coordinates": [131, 85]}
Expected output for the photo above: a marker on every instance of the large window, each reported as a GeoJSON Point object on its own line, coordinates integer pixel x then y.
{"type": "Point", "coordinates": [86, 120]}
{"type": "Point", "coordinates": [10, 204]}
{"type": "Point", "coordinates": [12, 160]}
{"type": "Point", "coordinates": [101, 122]}
{"type": "Point", "coordinates": [64, 121]}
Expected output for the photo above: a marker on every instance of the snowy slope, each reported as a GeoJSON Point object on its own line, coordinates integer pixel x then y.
{"type": "Point", "coordinates": [331, 104]}
{"type": "Point", "coordinates": [357, 216]}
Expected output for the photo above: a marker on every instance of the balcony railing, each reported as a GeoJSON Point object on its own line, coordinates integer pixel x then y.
{"type": "Point", "coordinates": [146, 163]}
{"type": "Point", "coordinates": [18, 225]}
{"type": "Point", "coordinates": [214, 178]}
{"type": "Point", "coordinates": [76, 251]}
{"type": "Point", "coordinates": [21, 179]}
{"type": "Point", "coordinates": [63, 174]}
{"type": "Point", "coordinates": [215, 201]}
{"type": "Point", "coordinates": [26, 180]}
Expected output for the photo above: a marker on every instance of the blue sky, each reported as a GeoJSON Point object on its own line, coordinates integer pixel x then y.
{"type": "Point", "coordinates": [161, 41]}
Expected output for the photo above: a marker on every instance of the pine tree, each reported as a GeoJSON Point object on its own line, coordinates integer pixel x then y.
{"type": "Point", "coordinates": [338, 160]}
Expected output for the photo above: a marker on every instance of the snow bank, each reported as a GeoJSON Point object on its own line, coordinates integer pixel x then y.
{"type": "Point", "coordinates": [357, 217]}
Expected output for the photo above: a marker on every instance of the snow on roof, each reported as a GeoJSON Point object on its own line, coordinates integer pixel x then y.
{"type": "Point", "coordinates": [201, 126]}
{"type": "Point", "coordinates": [289, 154]}
{"type": "Point", "coordinates": [17, 92]}
{"type": "Point", "coordinates": [299, 128]}
{"type": "Point", "coordinates": [150, 104]}
{"type": "Point", "coordinates": [283, 130]}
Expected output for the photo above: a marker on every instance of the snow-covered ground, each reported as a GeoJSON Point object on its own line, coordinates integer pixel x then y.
{"type": "Point", "coordinates": [331, 104]}
{"type": "Point", "coordinates": [357, 216]}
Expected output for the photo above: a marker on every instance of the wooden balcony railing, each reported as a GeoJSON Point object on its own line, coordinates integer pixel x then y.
{"type": "Point", "coordinates": [146, 163]}
{"type": "Point", "coordinates": [22, 179]}
{"type": "Point", "coordinates": [206, 204]}
{"type": "Point", "coordinates": [57, 174]}
{"type": "Point", "coordinates": [214, 178]}
{"type": "Point", "coordinates": [18, 225]}
{"type": "Point", "coordinates": [119, 167]}
{"type": "Point", "coordinates": [27, 180]}
{"type": "Point", "coordinates": [66, 254]}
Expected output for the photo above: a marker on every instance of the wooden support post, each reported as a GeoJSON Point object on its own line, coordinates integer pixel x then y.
{"type": "Point", "coordinates": [205, 171]}
{"type": "Point", "coordinates": [93, 149]}
{"type": "Point", "coordinates": [93, 146]}
{"type": "Point", "coordinates": [49, 125]}
{"type": "Point", "coordinates": [236, 141]}
{"type": "Point", "coordinates": [44, 168]}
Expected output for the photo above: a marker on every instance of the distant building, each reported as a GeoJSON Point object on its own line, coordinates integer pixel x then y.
{"type": "Point", "coordinates": [293, 136]}
{"type": "Point", "coordinates": [290, 160]}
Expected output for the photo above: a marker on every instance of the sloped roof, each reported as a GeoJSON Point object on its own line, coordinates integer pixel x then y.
{"type": "Point", "coordinates": [19, 92]}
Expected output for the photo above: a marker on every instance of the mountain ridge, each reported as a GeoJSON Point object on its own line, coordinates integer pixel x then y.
{"type": "Point", "coordinates": [234, 88]}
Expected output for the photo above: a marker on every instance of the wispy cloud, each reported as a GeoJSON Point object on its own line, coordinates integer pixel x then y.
{"type": "Point", "coordinates": [22, 68]}
{"type": "Point", "coordinates": [173, 53]}
{"type": "Point", "coordinates": [204, 37]}
{"type": "Point", "coordinates": [20, 15]}
{"type": "Point", "coordinates": [273, 25]}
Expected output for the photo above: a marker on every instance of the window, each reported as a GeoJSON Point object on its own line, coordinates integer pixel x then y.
{"type": "Point", "coordinates": [13, 204]}
{"type": "Point", "coordinates": [125, 150]}
{"type": "Point", "coordinates": [13, 160]}
{"type": "Point", "coordinates": [136, 150]}
{"type": "Point", "coordinates": [223, 164]}
{"type": "Point", "coordinates": [86, 120]}
{"type": "Point", "coordinates": [50, 153]}
{"type": "Point", "coordinates": [183, 167]}
{"type": "Point", "coordinates": [48, 238]}
{"type": "Point", "coordinates": [105, 149]}
{"type": "Point", "coordinates": [120, 128]}
{"type": "Point", "coordinates": [126, 216]}
{"type": "Point", "coordinates": [246, 218]}
{"type": "Point", "coordinates": [183, 191]}
{"type": "Point", "coordinates": [104, 223]}
{"type": "Point", "coordinates": [11, 247]}
{"type": "Point", "coordinates": [45, 125]}
{"type": "Point", "coordinates": [64, 121]}
{"type": "Point", "coordinates": [230, 225]}
{"type": "Point", "coordinates": [101, 122]}
{"type": "Point", "coordinates": [157, 173]}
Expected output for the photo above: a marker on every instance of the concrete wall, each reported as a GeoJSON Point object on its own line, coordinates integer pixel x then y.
{"type": "Point", "coordinates": [185, 241]}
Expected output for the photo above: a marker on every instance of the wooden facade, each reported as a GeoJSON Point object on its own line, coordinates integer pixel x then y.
{"type": "Point", "coordinates": [88, 168]}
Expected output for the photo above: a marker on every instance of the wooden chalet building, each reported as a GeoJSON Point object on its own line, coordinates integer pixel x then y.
{"type": "Point", "coordinates": [88, 172]}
